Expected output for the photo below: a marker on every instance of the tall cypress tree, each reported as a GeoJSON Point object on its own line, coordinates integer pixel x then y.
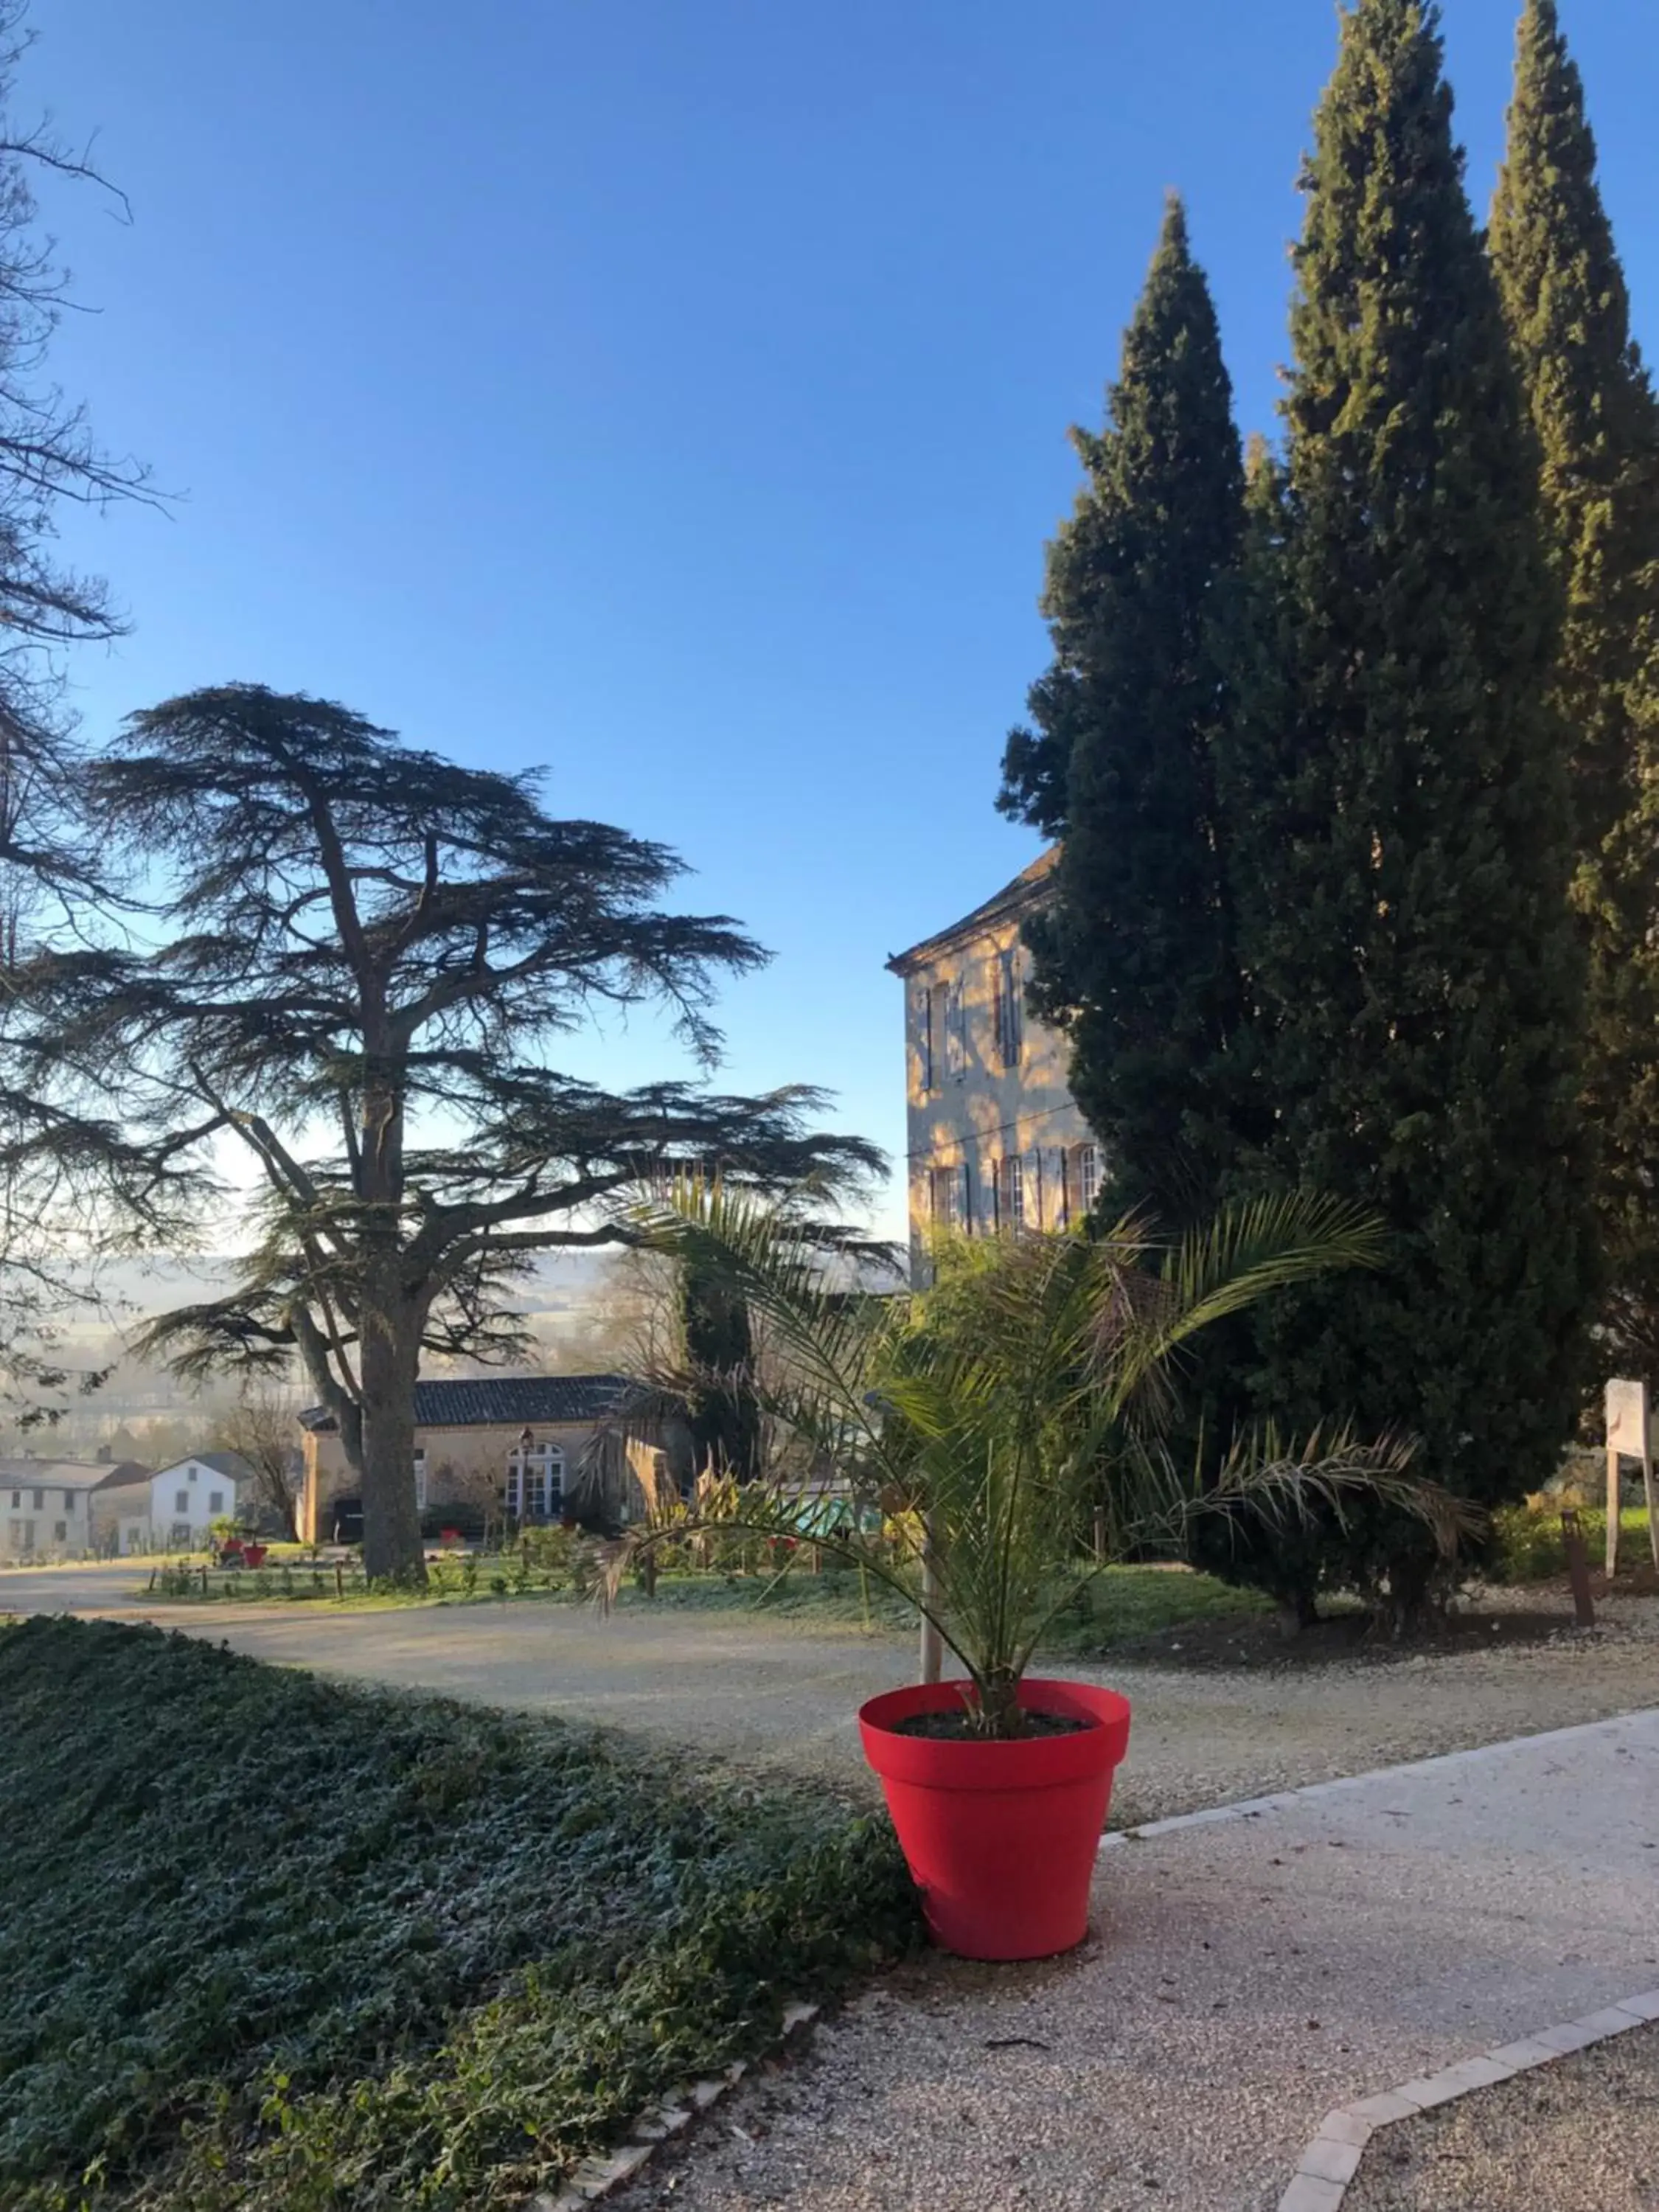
{"type": "Point", "coordinates": [1597, 429]}
{"type": "Point", "coordinates": [1135, 950]}
{"type": "Point", "coordinates": [1412, 942]}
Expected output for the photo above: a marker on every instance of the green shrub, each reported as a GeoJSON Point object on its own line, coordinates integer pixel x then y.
{"type": "Point", "coordinates": [1527, 1545]}
{"type": "Point", "coordinates": [295, 1944]}
{"type": "Point", "coordinates": [556, 1552]}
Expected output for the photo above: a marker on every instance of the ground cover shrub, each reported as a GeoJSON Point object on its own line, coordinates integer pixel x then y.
{"type": "Point", "coordinates": [276, 1941]}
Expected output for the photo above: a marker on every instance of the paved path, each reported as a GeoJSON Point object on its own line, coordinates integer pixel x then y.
{"type": "Point", "coordinates": [775, 1693]}
{"type": "Point", "coordinates": [1243, 1978]}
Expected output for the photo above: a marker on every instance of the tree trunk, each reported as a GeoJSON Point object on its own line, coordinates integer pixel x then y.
{"type": "Point", "coordinates": [1298, 1610]}
{"type": "Point", "coordinates": [1413, 1602]}
{"type": "Point", "coordinates": [392, 1521]}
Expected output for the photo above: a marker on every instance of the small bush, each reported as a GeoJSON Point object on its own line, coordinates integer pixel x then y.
{"type": "Point", "coordinates": [1529, 1546]}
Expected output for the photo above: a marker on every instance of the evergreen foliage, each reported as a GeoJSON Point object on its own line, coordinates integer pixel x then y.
{"type": "Point", "coordinates": [1400, 817]}
{"type": "Point", "coordinates": [1597, 429]}
{"type": "Point", "coordinates": [1135, 950]}
{"type": "Point", "coordinates": [362, 960]}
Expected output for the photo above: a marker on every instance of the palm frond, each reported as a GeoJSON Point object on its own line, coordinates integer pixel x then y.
{"type": "Point", "coordinates": [990, 1417]}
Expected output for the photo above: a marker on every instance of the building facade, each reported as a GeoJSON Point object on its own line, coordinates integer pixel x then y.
{"type": "Point", "coordinates": [172, 1508]}
{"type": "Point", "coordinates": [47, 1508]}
{"type": "Point", "coordinates": [530, 1449]}
{"type": "Point", "coordinates": [995, 1139]}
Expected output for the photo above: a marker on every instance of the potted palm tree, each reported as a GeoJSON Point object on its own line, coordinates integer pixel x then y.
{"type": "Point", "coordinates": [978, 1435]}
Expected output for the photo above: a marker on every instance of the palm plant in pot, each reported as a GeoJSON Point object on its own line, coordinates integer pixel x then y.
{"type": "Point", "coordinates": [963, 1446]}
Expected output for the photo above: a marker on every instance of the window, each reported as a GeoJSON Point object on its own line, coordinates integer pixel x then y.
{"type": "Point", "coordinates": [39, 1501]}
{"type": "Point", "coordinates": [956, 1032]}
{"type": "Point", "coordinates": [59, 1531]}
{"type": "Point", "coordinates": [1085, 1176]}
{"type": "Point", "coordinates": [925, 1038]}
{"type": "Point", "coordinates": [216, 1501]}
{"type": "Point", "coordinates": [1005, 998]}
{"type": "Point", "coordinates": [68, 1501]}
{"type": "Point", "coordinates": [194, 1472]}
{"type": "Point", "coordinates": [535, 1484]}
{"type": "Point", "coordinates": [181, 1503]}
{"type": "Point", "coordinates": [1010, 1190]}
{"type": "Point", "coordinates": [944, 1189]}
{"type": "Point", "coordinates": [16, 1499]}
{"type": "Point", "coordinates": [420, 1478]}
{"type": "Point", "coordinates": [24, 1533]}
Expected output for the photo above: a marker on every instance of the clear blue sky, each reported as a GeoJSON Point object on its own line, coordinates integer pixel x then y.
{"type": "Point", "coordinates": [675, 392]}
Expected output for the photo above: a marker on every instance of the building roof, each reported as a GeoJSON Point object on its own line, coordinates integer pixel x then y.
{"type": "Point", "coordinates": [504, 1401]}
{"type": "Point", "coordinates": [68, 1473]}
{"type": "Point", "coordinates": [123, 1471]}
{"type": "Point", "coordinates": [231, 1464]}
{"type": "Point", "coordinates": [1025, 889]}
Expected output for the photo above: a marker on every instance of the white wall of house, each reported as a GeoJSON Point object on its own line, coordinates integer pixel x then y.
{"type": "Point", "coordinates": [40, 1519]}
{"type": "Point", "coordinates": [183, 1503]}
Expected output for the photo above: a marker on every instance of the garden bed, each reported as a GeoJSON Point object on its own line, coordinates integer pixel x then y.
{"type": "Point", "coordinates": [276, 1941]}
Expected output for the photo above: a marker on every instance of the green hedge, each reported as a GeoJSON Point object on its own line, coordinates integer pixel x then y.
{"type": "Point", "coordinates": [274, 1942]}
{"type": "Point", "coordinates": [1529, 1546]}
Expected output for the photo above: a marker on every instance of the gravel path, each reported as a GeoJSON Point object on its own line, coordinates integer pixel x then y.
{"type": "Point", "coordinates": [1582, 2136]}
{"type": "Point", "coordinates": [1243, 1978]}
{"type": "Point", "coordinates": [778, 1695]}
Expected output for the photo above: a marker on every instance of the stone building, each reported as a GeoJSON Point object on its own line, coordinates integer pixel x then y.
{"type": "Point", "coordinates": [529, 1449]}
{"type": "Point", "coordinates": [995, 1142]}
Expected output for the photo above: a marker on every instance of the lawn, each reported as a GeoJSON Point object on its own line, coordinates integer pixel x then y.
{"type": "Point", "coordinates": [275, 1941]}
{"type": "Point", "coordinates": [1120, 1605]}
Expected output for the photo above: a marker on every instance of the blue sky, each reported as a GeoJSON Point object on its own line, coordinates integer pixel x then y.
{"type": "Point", "coordinates": [675, 392]}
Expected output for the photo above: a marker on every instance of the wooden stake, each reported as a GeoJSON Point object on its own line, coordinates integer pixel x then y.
{"type": "Point", "coordinates": [932, 1657]}
{"type": "Point", "coordinates": [1572, 1540]}
{"type": "Point", "coordinates": [1612, 1511]}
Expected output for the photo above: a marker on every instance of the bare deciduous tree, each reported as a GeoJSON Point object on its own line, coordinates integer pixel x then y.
{"type": "Point", "coordinates": [262, 1426]}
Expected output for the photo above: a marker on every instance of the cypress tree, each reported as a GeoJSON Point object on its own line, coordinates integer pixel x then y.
{"type": "Point", "coordinates": [1597, 429]}
{"type": "Point", "coordinates": [1134, 952]}
{"type": "Point", "coordinates": [1402, 819]}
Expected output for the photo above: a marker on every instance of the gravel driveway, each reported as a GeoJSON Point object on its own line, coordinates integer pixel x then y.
{"type": "Point", "coordinates": [1582, 2136]}
{"type": "Point", "coordinates": [1243, 1978]}
{"type": "Point", "coordinates": [772, 1695]}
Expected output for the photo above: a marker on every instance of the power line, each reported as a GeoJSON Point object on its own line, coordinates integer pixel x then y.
{"type": "Point", "coordinates": [976, 1138]}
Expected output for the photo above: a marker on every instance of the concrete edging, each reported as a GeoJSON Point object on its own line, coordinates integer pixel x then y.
{"type": "Point", "coordinates": [597, 2177]}
{"type": "Point", "coordinates": [1332, 2160]}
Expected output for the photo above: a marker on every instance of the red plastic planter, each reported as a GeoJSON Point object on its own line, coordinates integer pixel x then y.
{"type": "Point", "coordinates": [1000, 1837]}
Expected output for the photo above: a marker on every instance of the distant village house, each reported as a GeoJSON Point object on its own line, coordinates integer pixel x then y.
{"type": "Point", "coordinates": [172, 1508]}
{"type": "Point", "coordinates": [527, 1449]}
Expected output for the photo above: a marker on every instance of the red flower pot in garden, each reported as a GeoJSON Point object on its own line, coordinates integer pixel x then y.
{"type": "Point", "coordinates": [1000, 1838]}
{"type": "Point", "coordinates": [255, 1554]}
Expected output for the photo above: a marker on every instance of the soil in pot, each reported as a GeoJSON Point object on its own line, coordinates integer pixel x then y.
{"type": "Point", "coordinates": [958, 1728]}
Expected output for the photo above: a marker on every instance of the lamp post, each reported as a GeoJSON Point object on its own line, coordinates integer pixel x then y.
{"type": "Point", "coordinates": [521, 1451]}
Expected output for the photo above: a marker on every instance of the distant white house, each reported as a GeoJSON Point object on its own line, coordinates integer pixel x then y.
{"type": "Point", "coordinates": [174, 1509]}
{"type": "Point", "coordinates": [47, 1505]}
